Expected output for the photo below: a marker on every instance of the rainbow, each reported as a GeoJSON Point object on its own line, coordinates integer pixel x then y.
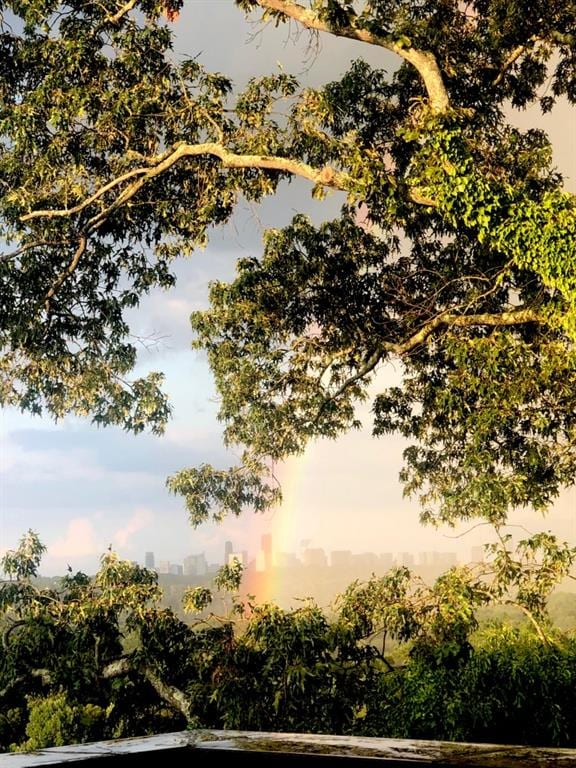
{"type": "Point", "coordinates": [282, 524]}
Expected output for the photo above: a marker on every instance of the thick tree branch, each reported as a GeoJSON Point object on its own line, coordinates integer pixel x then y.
{"type": "Point", "coordinates": [327, 177]}
{"type": "Point", "coordinates": [126, 8]}
{"type": "Point", "coordinates": [514, 317]}
{"type": "Point", "coordinates": [174, 696]}
{"type": "Point", "coordinates": [423, 61]}
{"type": "Point", "coordinates": [63, 212]}
{"type": "Point", "coordinates": [512, 57]}
{"type": "Point", "coordinates": [43, 674]}
{"type": "Point", "coordinates": [169, 693]}
{"type": "Point", "coordinates": [535, 623]}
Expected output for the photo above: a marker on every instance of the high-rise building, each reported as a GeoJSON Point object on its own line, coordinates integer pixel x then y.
{"type": "Point", "coordinates": [341, 558]}
{"type": "Point", "coordinates": [241, 557]}
{"type": "Point", "coordinates": [445, 559]}
{"type": "Point", "coordinates": [386, 561]}
{"type": "Point", "coordinates": [287, 560]}
{"type": "Point", "coordinates": [407, 559]}
{"type": "Point", "coordinates": [260, 562]}
{"type": "Point", "coordinates": [266, 545]}
{"type": "Point", "coordinates": [314, 558]}
{"type": "Point", "coordinates": [425, 558]}
{"type": "Point", "coordinates": [365, 561]}
{"type": "Point", "coordinates": [195, 565]}
{"type": "Point", "coordinates": [264, 561]}
{"type": "Point", "coordinates": [228, 550]}
{"type": "Point", "coordinates": [149, 560]}
{"type": "Point", "coordinates": [478, 554]}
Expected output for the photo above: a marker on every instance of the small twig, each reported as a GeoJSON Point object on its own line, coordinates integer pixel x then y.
{"type": "Point", "coordinates": [30, 247]}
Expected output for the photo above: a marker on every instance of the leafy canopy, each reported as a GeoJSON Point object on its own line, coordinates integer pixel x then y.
{"type": "Point", "coordinates": [454, 251]}
{"type": "Point", "coordinates": [88, 658]}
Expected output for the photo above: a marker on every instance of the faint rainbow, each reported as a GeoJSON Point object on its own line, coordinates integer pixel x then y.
{"type": "Point", "coordinates": [282, 525]}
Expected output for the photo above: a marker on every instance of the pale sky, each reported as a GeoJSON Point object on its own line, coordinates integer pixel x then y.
{"type": "Point", "coordinates": [83, 489]}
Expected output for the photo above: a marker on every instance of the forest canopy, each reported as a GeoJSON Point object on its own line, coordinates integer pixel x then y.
{"type": "Point", "coordinates": [453, 253]}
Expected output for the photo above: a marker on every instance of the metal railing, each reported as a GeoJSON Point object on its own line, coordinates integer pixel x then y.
{"type": "Point", "coordinates": [195, 749]}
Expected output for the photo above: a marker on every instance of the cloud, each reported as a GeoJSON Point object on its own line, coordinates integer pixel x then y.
{"type": "Point", "coordinates": [79, 541]}
{"type": "Point", "coordinates": [141, 518]}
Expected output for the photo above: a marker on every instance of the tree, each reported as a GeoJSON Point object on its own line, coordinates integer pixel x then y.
{"type": "Point", "coordinates": [454, 252]}
{"type": "Point", "coordinates": [92, 658]}
{"type": "Point", "coordinates": [65, 672]}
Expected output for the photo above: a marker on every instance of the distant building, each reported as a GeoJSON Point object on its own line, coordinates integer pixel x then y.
{"type": "Point", "coordinates": [425, 558]}
{"type": "Point", "coordinates": [366, 561]}
{"type": "Point", "coordinates": [266, 544]}
{"type": "Point", "coordinates": [287, 560]}
{"type": "Point", "coordinates": [386, 561]}
{"type": "Point", "coordinates": [407, 559]}
{"type": "Point", "coordinates": [314, 558]}
{"type": "Point", "coordinates": [260, 563]}
{"type": "Point", "coordinates": [264, 560]}
{"type": "Point", "coordinates": [149, 560]}
{"type": "Point", "coordinates": [241, 557]}
{"type": "Point", "coordinates": [445, 559]}
{"type": "Point", "coordinates": [341, 558]}
{"type": "Point", "coordinates": [163, 566]}
{"type": "Point", "coordinates": [195, 565]}
{"type": "Point", "coordinates": [228, 549]}
{"type": "Point", "coordinates": [176, 570]}
{"type": "Point", "coordinates": [477, 554]}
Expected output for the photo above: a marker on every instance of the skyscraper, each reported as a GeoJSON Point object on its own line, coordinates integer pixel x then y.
{"type": "Point", "coordinates": [195, 565]}
{"type": "Point", "coordinates": [266, 543]}
{"type": "Point", "coordinates": [149, 560]}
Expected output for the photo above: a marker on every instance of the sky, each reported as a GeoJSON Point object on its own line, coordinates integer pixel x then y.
{"type": "Point", "coordinates": [84, 489]}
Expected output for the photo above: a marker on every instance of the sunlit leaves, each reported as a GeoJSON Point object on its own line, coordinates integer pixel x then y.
{"type": "Point", "coordinates": [22, 563]}
{"type": "Point", "coordinates": [455, 223]}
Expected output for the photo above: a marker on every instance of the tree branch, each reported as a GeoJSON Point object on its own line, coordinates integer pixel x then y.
{"type": "Point", "coordinates": [55, 213]}
{"type": "Point", "coordinates": [423, 61]}
{"type": "Point", "coordinates": [169, 693]}
{"type": "Point", "coordinates": [43, 674]}
{"type": "Point", "coordinates": [535, 623]}
{"type": "Point", "coordinates": [30, 247]}
{"type": "Point", "coordinates": [68, 271]}
{"type": "Point", "coordinates": [126, 8]}
{"type": "Point", "coordinates": [515, 317]}
{"type": "Point", "coordinates": [327, 177]}
{"type": "Point", "coordinates": [174, 696]}
{"type": "Point", "coordinates": [512, 57]}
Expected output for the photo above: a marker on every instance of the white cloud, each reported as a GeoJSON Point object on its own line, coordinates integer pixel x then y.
{"type": "Point", "coordinates": [141, 518]}
{"type": "Point", "coordinates": [80, 540]}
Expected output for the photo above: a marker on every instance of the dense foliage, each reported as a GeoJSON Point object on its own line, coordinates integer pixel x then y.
{"type": "Point", "coordinates": [453, 254]}
{"type": "Point", "coordinates": [115, 158]}
{"type": "Point", "coordinates": [98, 658]}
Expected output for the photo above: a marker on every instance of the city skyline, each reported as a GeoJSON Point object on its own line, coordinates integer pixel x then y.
{"type": "Point", "coordinates": [267, 557]}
